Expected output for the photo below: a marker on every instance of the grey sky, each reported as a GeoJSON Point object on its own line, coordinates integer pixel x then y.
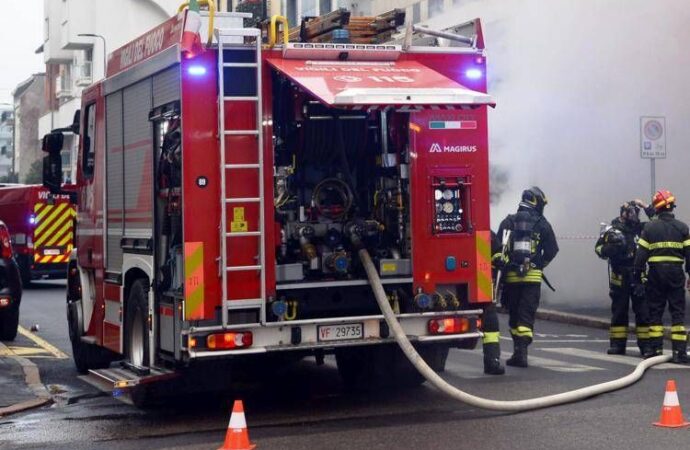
{"type": "Point", "coordinates": [21, 33]}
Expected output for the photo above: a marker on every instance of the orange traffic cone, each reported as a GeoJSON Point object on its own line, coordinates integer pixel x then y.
{"type": "Point", "coordinates": [237, 437]}
{"type": "Point", "coordinates": [671, 414]}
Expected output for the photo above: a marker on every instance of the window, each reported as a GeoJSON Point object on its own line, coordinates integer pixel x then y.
{"type": "Point", "coordinates": [416, 13]}
{"type": "Point", "coordinates": [435, 7]}
{"type": "Point", "coordinates": [89, 145]}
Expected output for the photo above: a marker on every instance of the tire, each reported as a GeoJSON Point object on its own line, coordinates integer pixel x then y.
{"type": "Point", "coordinates": [384, 366]}
{"type": "Point", "coordinates": [24, 271]}
{"type": "Point", "coordinates": [468, 344]}
{"type": "Point", "coordinates": [86, 356]}
{"type": "Point", "coordinates": [9, 322]}
{"type": "Point", "coordinates": [136, 320]}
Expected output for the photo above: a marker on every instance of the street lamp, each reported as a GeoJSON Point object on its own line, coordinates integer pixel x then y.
{"type": "Point", "coordinates": [105, 64]}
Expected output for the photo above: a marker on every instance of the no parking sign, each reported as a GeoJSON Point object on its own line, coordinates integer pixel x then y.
{"type": "Point", "coordinates": [652, 137]}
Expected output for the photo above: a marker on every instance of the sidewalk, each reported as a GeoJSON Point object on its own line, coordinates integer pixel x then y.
{"type": "Point", "coordinates": [20, 384]}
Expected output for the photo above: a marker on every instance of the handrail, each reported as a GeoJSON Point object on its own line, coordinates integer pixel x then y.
{"type": "Point", "coordinates": [272, 35]}
{"type": "Point", "coordinates": [211, 16]}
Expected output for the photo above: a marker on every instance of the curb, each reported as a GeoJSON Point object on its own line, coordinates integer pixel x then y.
{"type": "Point", "coordinates": [32, 378]}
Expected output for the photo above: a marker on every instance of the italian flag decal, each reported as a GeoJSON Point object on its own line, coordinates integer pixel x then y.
{"type": "Point", "coordinates": [453, 125]}
{"type": "Point", "coordinates": [191, 39]}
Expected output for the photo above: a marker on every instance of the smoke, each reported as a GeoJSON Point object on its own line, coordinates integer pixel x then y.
{"type": "Point", "coordinates": [571, 79]}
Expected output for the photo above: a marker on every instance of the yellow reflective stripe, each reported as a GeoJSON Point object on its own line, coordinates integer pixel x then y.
{"type": "Point", "coordinates": [679, 337]}
{"type": "Point", "coordinates": [665, 244]}
{"type": "Point", "coordinates": [678, 329]}
{"type": "Point", "coordinates": [642, 243]}
{"type": "Point", "coordinates": [532, 276]}
{"type": "Point", "coordinates": [665, 259]}
{"type": "Point", "coordinates": [656, 331]}
{"type": "Point", "coordinates": [642, 332]}
{"type": "Point", "coordinates": [686, 243]}
{"type": "Point", "coordinates": [523, 331]}
{"type": "Point", "coordinates": [621, 328]}
{"type": "Point", "coordinates": [618, 332]}
{"type": "Point", "coordinates": [598, 249]}
{"type": "Point", "coordinates": [618, 335]}
{"type": "Point", "coordinates": [491, 337]}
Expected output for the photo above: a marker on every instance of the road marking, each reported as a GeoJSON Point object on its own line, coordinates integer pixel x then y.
{"type": "Point", "coordinates": [620, 359]}
{"type": "Point", "coordinates": [26, 351]}
{"type": "Point", "coordinates": [556, 341]}
{"type": "Point", "coordinates": [56, 352]}
{"type": "Point", "coordinates": [466, 369]}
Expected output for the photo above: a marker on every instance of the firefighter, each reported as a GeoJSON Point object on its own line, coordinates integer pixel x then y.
{"type": "Point", "coordinates": [617, 244]}
{"type": "Point", "coordinates": [662, 248]}
{"type": "Point", "coordinates": [531, 248]}
{"type": "Point", "coordinates": [490, 342]}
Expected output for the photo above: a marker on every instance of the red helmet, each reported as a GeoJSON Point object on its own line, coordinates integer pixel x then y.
{"type": "Point", "coordinates": [663, 200]}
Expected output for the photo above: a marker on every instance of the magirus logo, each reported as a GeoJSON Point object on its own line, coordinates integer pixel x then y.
{"type": "Point", "coordinates": [438, 148]}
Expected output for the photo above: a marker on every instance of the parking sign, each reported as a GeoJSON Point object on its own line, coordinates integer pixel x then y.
{"type": "Point", "coordinates": [652, 137]}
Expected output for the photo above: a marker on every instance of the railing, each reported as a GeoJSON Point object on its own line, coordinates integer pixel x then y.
{"type": "Point", "coordinates": [83, 73]}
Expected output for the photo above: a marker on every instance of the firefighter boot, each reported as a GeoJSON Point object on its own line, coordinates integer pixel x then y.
{"type": "Point", "coordinates": [492, 361]}
{"type": "Point", "coordinates": [617, 347]}
{"type": "Point", "coordinates": [680, 354]}
{"type": "Point", "coordinates": [643, 345]}
{"type": "Point", "coordinates": [519, 358]}
{"type": "Point", "coordinates": [655, 347]}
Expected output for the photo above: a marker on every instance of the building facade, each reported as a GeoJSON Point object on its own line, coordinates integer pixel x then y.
{"type": "Point", "coordinates": [29, 106]}
{"type": "Point", "coordinates": [6, 138]}
{"type": "Point", "coordinates": [74, 62]}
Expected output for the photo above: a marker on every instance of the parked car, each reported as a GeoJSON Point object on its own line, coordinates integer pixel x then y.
{"type": "Point", "coordinates": [10, 287]}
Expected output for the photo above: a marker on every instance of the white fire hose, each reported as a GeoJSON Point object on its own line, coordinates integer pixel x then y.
{"type": "Point", "coordinates": [479, 402]}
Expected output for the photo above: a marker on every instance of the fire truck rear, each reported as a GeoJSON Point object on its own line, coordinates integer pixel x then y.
{"type": "Point", "coordinates": [41, 227]}
{"type": "Point", "coordinates": [224, 193]}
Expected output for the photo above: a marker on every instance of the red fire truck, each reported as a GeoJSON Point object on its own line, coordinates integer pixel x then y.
{"type": "Point", "coordinates": [42, 228]}
{"type": "Point", "coordinates": [223, 194]}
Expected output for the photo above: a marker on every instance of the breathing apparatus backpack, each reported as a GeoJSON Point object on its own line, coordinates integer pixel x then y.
{"type": "Point", "coordinates": [523, 246]}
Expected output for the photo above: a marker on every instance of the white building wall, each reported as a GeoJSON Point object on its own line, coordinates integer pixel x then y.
{"type": "Point", "coordinates": [571, 79]}
{"type": "Point", "coordinates": [117, 21]}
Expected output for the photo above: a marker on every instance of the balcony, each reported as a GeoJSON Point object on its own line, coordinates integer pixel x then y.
{"type": "Point", "coordinates": [83, 73]}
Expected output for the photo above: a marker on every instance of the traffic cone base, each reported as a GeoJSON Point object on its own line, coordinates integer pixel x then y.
{"type": "Point", "coordinates": [237, 436]}
{"type": "Point", "coordinates": [671, 413]}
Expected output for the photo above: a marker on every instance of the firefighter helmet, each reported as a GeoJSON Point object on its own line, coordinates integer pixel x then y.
{"type": "Point", "coordinates": [534, 198]}
{"type": "Point", "coordinates": [663, 199]}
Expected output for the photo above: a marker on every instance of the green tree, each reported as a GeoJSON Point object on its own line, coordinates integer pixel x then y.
{"type": "Point", "coordinates": [35, 175]}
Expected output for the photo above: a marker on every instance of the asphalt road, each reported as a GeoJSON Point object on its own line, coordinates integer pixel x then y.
{"type": "Point", "coordinates": [305, 406]}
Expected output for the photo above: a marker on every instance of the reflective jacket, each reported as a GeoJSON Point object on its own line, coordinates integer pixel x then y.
{"type": "Point", "coordinates": [663, 240]}
{"type": "Point", "coordinates": [546, 247]}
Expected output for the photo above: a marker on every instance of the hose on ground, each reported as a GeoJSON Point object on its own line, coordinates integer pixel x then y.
{"type": "Point", "coordinates": [479, 402]}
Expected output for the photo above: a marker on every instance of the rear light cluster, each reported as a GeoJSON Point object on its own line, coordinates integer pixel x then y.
{"type": "Point", "coordinates": [5, 243]}
{"type": "Point", "coordinates": [449, 325]}
{"type": "Point", "coordinates": [229, 341]}
{"type": "Point", "coordinates": [4, 301]}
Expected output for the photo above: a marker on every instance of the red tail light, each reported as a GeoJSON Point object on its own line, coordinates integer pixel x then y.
{"type": "Point", "coordinates": [229, 341]}
{"type": "Point", "coordinates": [5, 243]}
{"type": "Point", "coordinates": [449, 325]}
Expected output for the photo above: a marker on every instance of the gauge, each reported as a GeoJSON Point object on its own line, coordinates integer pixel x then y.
{"type": "Point", "coordinates": [437, 194]}
{"type": "Point", "coordinates": [448, 207]}
{"type": "Point", "coordinates": [447, 194]}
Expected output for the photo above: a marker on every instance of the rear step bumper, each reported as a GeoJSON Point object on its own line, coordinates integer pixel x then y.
{"type": "Point", "coordinates": [279, 337]}
{"type": "Point", "coordinates": [129, 376]}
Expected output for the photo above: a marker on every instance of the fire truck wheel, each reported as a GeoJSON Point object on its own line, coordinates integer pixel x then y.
{"type": "Point", "coordinates": [86, 356]}
{"type": "Point", "coordinates": [9, 321]}
{"type": "Point", "coordinates": [468, 344]}
{"type": "Point", "coordinates": [136, 325]}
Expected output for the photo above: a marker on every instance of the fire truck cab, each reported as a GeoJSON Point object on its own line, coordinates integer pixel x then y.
{"type": "Point", "coordinates": [223, 195]}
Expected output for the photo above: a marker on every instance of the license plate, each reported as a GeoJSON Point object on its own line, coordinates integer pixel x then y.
{"type": "Point", "coordinates": [340, 332]}
{"type": "Point", "coordinates": [52, 252]}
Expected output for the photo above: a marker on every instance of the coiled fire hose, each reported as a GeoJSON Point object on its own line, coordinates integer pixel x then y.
{"type": "Point", "coordinates": [479, 402]}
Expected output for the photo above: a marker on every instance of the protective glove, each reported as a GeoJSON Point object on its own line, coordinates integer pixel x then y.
{"type": "Point", "coordinates": [638, 289]}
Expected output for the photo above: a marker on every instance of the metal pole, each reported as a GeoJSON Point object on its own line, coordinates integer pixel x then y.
{"type": "Point", "coordinates": [105, 52]}
{"type": "Point", "coordinates": [653, 167]}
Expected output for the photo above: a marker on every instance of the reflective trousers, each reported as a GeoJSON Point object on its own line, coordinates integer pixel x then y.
{"type": "Point", "coordinates": [666, 286]}
{"type": "Point", "coordinates": [522, 301]}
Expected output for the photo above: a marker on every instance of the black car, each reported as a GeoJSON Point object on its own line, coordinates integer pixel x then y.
{"type": "Point", "coordinates": [10, 288]}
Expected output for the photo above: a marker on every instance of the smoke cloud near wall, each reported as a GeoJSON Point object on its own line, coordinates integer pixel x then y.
{"type": "Point", "coordinates": [571, 79]}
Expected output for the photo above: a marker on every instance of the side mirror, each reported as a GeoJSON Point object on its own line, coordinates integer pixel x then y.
{"type": "Point", "coordinates": [75, 122]}
{"type": "Point", "coordinates": [53, 142]}
{"type": "Point", "coordinates": [52, 172]}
